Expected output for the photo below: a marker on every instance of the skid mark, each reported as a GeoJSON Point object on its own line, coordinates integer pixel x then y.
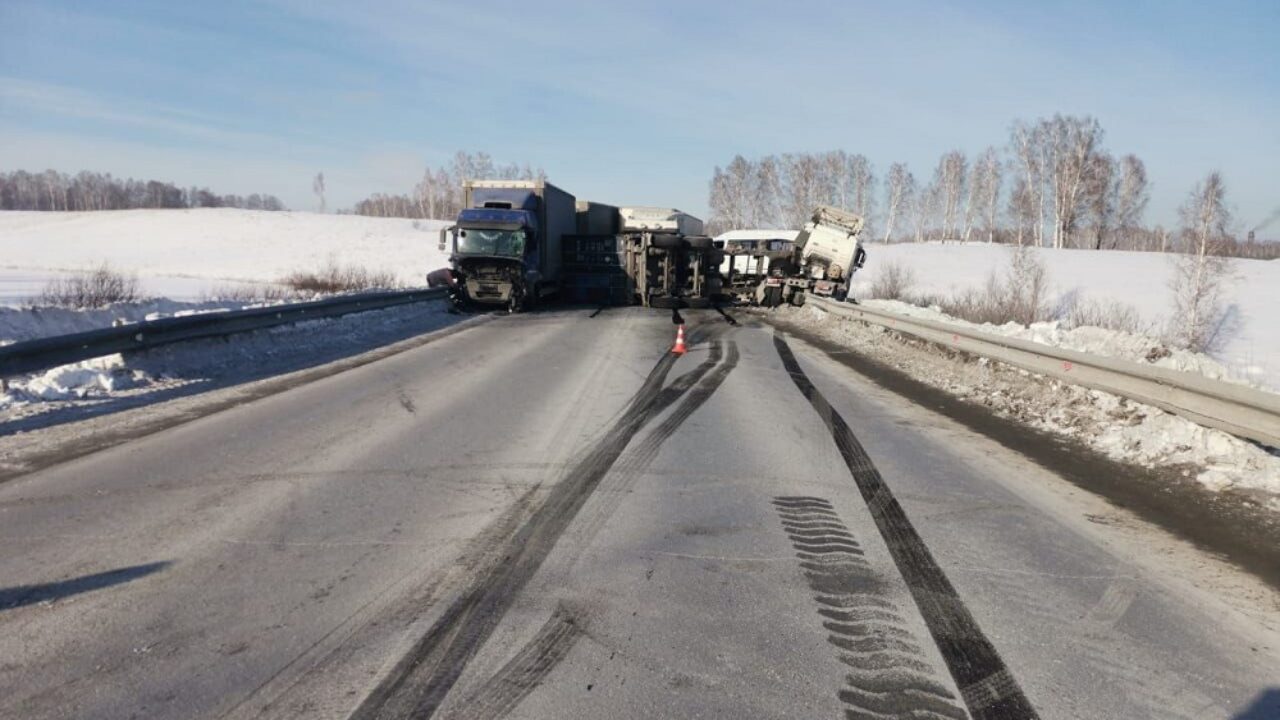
{"type": "Point", "coordinates": [420, 681]}
{"type": "Point", "coordinates": [889, 676]}
{"type": "Point", "coordinates": [988, 688]}
{"type": "Point", "coordinates": [501, 693]}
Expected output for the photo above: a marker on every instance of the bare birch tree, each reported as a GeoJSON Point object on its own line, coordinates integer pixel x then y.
{"type": "Point", "coordinates": [1132, 196]}
{"type": "Point", "coordinates": [1027, 203]}
{"type": "Point", "coordinates": [317, 186]}
{"type": "Point", "coordinates": [987, 176]}
{"type": "Point", "coordinates": [1200, 270]}
{"type": "Point", "coordinates": [767, 194]}
{"type": "Point", "coordinates": [949, 180]}
{"type": "Point", "coordinates": [803, 188]}
{"type": "Point", "coordinates": [1071, 143]}
{"type": "Point", "coordinates": [1099, 199]}
{"type": "Point", "coordinates": [861, 179]}
{"type": "Point", "coordinates": [899, 192]}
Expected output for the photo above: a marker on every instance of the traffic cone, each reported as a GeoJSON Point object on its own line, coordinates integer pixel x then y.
{"type": "Point", "coordinates": [679, 348]}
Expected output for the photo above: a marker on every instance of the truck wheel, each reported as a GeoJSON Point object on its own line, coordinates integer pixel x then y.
{"type": "Point", "coordinates": [772, 297]}
{"type": "Point", "coordinates": [516, 303]}
{"type": "Point", "coordinates": [699, 243]}
{"type": "Point", "coordinates": [697, 303]}
{"type": "Point", "coordinates": [667, 242]}
{"type": "Point", "coordinates": [664, 302]}
{"type": "Point", "coordinates": [797, 298]}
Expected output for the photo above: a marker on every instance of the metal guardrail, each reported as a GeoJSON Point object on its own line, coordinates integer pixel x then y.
{"type": "Point", "coordinates": [1237, 409]}
{"type": "Point", "coordinates": [44, 353]}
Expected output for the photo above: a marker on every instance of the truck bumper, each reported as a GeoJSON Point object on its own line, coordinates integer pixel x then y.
{"type": "Point", "coordinates": [488, 293]}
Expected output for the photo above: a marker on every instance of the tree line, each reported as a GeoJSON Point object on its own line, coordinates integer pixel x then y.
{"type": "Point", "coordinates": [87, 191]}
{"type": "Point", "coordinates": [1054, 185]}
{"type": "Point", "coordinates": [439, 193]}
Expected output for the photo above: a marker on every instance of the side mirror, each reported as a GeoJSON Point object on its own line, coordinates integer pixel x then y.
{"type": "Point", "coordinates": [444, 242]}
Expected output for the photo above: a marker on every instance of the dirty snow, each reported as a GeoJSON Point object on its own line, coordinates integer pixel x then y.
{"type": "Point", "coordinates": [1251, 295]}
{"type": "Point", "coordinates": [1122, 429]}
{"type": "Point", "coordinates": [189, 254]}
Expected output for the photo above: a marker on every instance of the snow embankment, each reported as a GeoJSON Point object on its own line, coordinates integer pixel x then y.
{"type": "Point", "coordinates": [180, 368]}
{"type": "Point", "coordinates": [1249, 347]}
{"type": "Point", "coordinates": [1142, 349]}
{"type": "Point", "coordinates": [19, 324]}
{"type": "Point", "coordinates": [191, 254]}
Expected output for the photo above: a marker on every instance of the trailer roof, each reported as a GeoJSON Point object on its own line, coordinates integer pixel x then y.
{"type": "Point", "coordinates": [523, 184]}
{"type": "Point", "coordinates": [759, 235]}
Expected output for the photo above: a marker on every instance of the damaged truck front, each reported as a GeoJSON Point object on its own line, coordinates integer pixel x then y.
{"type": "Point", "coordinates": [505, 246]}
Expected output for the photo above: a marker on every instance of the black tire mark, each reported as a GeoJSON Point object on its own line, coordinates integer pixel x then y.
{"type": "Point", "coordinates": [628, 469]}
{"type": "Point", "coordinates": [988, 688]}
{"type": "Point", "coordinates": [422, 679]}
{"type": "Point", "coordinates": [890, 677]}
{"type": "Point", "coordinates": [501, 693]}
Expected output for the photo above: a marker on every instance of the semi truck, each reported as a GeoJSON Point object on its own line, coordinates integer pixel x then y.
{"type": "Point", "coordinates": [506, 245]}
{"type": "Point", "coordinates": [770, 270]}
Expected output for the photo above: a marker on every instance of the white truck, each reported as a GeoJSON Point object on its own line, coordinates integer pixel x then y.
{"type": "Point", "coordinates": [767, 268]}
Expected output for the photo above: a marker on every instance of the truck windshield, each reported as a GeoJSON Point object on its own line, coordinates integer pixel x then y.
{"type": "Point", "coordinates": [472, 241]}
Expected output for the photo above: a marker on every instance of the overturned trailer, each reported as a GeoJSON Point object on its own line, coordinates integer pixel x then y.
{"type": "Point", "coordinates": [654, 256]}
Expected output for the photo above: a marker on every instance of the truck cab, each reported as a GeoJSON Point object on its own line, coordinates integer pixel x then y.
{"type": "Point", "coordinates": [495, 251]}
{"type": "Point", "coordinates": [505, 245]}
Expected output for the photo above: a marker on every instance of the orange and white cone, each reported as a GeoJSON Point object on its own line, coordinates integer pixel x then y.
{"type": "Point", "coordinates": [679, 348]}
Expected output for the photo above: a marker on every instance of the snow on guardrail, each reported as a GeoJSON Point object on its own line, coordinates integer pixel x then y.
{"type": "Point", "coordinates": [48, 352]}
{"type": "Point", "coordinates": [1232, 408]}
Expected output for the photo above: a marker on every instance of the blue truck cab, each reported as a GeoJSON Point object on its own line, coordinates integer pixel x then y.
{"type": "Point", "coordinates": [505, 248]}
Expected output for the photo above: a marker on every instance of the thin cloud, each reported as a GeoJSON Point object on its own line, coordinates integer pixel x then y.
{"type": "Point", "coordinates": [68, 102]}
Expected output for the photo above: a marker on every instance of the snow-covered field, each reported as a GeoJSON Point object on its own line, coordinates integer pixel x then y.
{"type": "Point", "coordinates": [1251, 295]}
{"type": "Point", "coordinates": [191, 254]}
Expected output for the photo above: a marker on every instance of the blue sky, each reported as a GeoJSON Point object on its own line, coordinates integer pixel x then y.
{"type": "Point", "coordinates": [629, 103]}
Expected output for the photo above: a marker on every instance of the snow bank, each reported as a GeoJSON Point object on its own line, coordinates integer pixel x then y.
{"type": "Point", "coordinates": [212, 362]}
{"type": "Point", "coordinates": [189, 253]}
{"type": "Point", "coordinates": [18, 324]}
{"type": "Point", "coordinates": [78, 380]}
{"type": "Point", "coordinates": [1093, 340]}
{"type": "Point", "coordinates": [1251, 295]}
{"type": "Point", "coordinates": [1120, 428]}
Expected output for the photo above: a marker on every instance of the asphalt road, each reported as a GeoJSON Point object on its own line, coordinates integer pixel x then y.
{"type": "Point", "coordinates": [550, 516]}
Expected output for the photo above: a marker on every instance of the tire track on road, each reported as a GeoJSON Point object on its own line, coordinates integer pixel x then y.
{"type": "Point", "coordinates": [497, 694]}
{"type": "Point", "coordinates": [986, 684]}
{"type": "Point", "coordinates": [419, 683]}
{"type": "Point", "coordinates": [627, 471]}
{"type": "Point", "coordinates": [524, 672]}
{"type": "Point", "coordinates": [890, 676]}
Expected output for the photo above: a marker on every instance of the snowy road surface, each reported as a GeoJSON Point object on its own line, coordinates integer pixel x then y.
{"type": "Point", "coordinates": [550, 516]}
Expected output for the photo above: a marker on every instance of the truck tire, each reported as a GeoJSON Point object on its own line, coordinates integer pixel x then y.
{"type": "Point", "coordinates": [697, 303]}
{"type": "Point", "coordinates": [772, 297]}
{"type": "Point", "coordinates": [667, 242]}
{"type": "Point", "coordinates": [664, 302]}
{"type": "Point", "coordinates": [699, 243]}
